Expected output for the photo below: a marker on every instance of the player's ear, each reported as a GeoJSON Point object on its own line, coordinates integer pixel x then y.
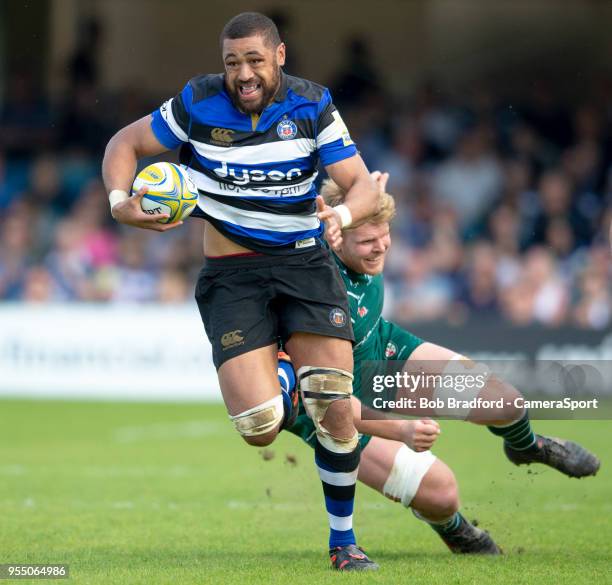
{"type": "Point", "coordinates": [280, 54]}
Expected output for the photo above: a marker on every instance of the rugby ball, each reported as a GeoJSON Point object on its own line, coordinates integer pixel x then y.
{"type": "Point", "coordinates": [171, 191]}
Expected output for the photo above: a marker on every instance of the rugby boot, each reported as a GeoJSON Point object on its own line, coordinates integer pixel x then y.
{"type": "Point", "coordinates": [565, 456]}
{"type": "Point", "coordinates": [351, 558]}
{"type": "Point", "coordinates": [469, 540]}
{"type": "Point", "coordinates": [292, 396]}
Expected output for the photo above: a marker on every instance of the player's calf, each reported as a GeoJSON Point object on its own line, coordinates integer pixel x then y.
{"type": "Point", "coordinates": [496, 390]}
{"type": "Point", "coordinates": [462, 537]}
{"type": "Point", "coordinates": [425, 484]}
{"type": "Point", "coordinates": [326, 397]}
{"type": "Point", "coordinates": [437, 498]}
{"type": "Point", "coordinates": [497, 397]}
{"type": "Point", "coordinates": [437, 503]}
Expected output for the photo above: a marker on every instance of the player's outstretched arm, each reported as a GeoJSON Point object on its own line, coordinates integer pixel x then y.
{"type": "Point", "coordinates": [419, 435]}
{"type": "Point", "coordinates": [119, 167]}
{"type": "Point", "coordinates": [361, 199]}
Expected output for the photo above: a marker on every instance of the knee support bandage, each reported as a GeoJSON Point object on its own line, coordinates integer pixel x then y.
{"type": "Point", "coordinates": [320, 387]}
{"type": "Point", "coordinates": [409, 469]}
{"type": "Point", "coordinates": [261, 418]}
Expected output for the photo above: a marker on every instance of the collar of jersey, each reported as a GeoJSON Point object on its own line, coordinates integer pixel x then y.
{"type": "Point", "coordinates": [353, 276]}
{"type": "Point", "coordinates": [281, 94]}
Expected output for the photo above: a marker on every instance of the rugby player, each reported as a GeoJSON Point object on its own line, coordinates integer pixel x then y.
{"type": "Point", "coordinates": [388, 465]}
{"type": "Point", "coordinates": [397, 462]}
{"type": "Point", "coordinates": [251, 138]}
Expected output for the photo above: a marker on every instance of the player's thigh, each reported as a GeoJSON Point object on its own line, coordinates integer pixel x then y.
{"type": "Point", "coordinates": [377, 461]}
{"type": "Point", "coordinates": [436, 359]}
{"type": "Point", "coordinates": [249, 379]}
{"type": "Point", "coordinates": [308, 349]}
{"type": "Point", "coordinates": [431, 357]}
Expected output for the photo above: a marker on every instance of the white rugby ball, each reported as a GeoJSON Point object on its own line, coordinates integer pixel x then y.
{"type": "Point", "coordinates": [171, 191]}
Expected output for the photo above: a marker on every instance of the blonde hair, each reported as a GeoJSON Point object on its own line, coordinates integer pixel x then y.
{"type": "Point", "coordinates": [334, 195]}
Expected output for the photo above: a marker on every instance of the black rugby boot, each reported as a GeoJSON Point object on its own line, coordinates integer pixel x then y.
{"type": "Point", "coordinates": [469, 540]}
{"type": "Point", "coordinates": [565, 456]}
{"type": "Point", "coordinates": [351, 558]}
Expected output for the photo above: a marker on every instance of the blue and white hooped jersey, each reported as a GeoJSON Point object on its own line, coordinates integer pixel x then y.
{"type": "Point", "coordinates": [256, 174]}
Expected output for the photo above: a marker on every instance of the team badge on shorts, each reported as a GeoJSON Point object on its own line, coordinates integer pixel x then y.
{"type": "Point", "coordinates": [390, 350]}
{"type": "Point", "coordinates": [286, 129]}
{"type": "Point", "coordinates": [337, 317]}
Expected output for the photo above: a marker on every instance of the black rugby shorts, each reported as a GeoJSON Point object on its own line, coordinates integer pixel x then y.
{"type": "Point", "coordinates": [247, 302]}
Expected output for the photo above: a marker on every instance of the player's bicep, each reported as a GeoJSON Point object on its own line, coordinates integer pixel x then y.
{"type": "Point", "coordinates": [143, 139]}
{"type": "Point", "coordinates": [136, 140]}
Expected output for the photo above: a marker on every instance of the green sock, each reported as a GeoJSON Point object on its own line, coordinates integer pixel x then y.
{"type": "Point", "coordinates": [447, 526]}
{"type": "Point", "coordinates": [517, 434]}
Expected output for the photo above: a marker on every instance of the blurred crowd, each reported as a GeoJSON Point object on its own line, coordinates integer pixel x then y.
{"type": "Point", "coordinates": [503, 208]}
{"type": "Point", "coordinates": [504, 203]}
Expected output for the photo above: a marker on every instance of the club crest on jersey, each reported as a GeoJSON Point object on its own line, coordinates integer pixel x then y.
{"type": "Point", "coordinates": [390, 350]}
{"type": "Point", "coordinates": [286, 129]}
{"type": "Point", "coordinates": [337, 317]}
{"type": "Point", "coordinates": [363, 311]}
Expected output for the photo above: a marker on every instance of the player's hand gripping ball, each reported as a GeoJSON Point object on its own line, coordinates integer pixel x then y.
{"type": "Point", "coordinates": [170, 190]}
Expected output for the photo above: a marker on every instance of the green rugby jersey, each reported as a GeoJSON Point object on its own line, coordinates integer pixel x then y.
{"type": "Point", "coordinates": [366, 298]}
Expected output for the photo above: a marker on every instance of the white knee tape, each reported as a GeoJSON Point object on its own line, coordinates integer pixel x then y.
{"type": "Point", "coordinates": [320, 387]}
{"type": "Point", "coordinates": [409, 469]}
{"type": "Point", "coordinates": [261, 418]}
{"type": "Point", "coordinates": [453, 383]}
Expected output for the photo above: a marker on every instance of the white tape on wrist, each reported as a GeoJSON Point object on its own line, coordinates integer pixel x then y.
{"type": "Point", "coordinates": [116, 196]}
{"type": "Point", "coordinates": [346, 217]}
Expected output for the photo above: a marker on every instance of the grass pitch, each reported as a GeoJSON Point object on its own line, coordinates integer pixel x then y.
{"type": "Point", "coordinates": [156, 493]}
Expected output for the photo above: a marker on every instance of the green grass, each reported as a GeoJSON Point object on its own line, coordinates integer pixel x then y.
{"type": "Point", "coordinates": [142, 493]}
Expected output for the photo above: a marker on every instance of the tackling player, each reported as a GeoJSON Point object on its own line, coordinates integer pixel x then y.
{"type": "Point", "coordinates": [251, 138]}
{"type": "Point", "coordinates": [397, 462]}
{"type": "Point", "coordinates": [388, 465]}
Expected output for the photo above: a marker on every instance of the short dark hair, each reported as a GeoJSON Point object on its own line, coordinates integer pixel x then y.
{"type": "Point", "coordinates": [248, 24]}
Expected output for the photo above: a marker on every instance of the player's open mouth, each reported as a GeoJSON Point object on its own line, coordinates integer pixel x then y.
{"type": "Point", "coordinates": [249, 91]}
